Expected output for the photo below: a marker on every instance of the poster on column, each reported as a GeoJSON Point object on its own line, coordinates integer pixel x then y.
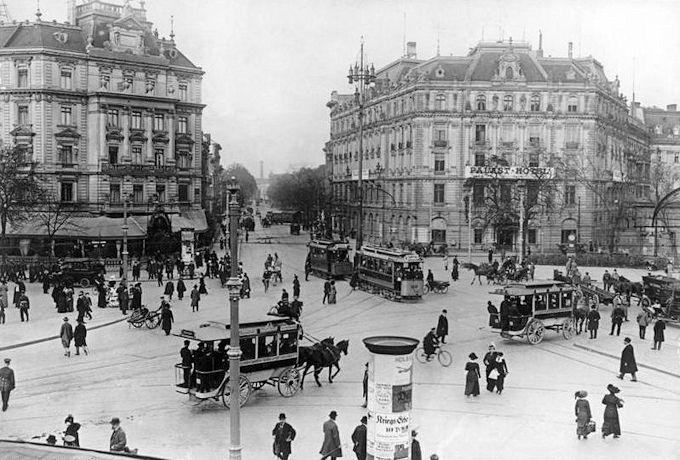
{"type": "Point", "coordinates": [389, 383]}
{"type": "Point", "coordinates": [388, 436]}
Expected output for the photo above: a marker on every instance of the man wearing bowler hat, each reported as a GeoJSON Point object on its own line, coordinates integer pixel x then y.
{"type": "Point", "coordinates": [284, 434]}
{"type": "Point", "coordinates": [118, 439]}
{"type": "Point", "coordinates": [6, 383]}
{"type": "Point", "coordinates": [359, 439]}
{"type": "Point", "coordinates": [331, 447]}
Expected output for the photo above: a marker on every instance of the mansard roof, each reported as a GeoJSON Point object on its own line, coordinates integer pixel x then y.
{"type": "Point", "coordinates": [64, 38]}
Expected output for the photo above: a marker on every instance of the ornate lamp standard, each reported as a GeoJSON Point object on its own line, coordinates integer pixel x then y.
{"type": "Point", "coordinates": [234, 352]}
{"type": "Point", "coordinates": [361, 76]}
{"type": "Point", "coordinates": [126, 202]}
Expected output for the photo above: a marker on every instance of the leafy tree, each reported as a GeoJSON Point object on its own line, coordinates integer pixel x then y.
{"type": "Point", "coordinates": [20, 189]}
{"type": "Point", "coordinates": [303, 190]}
{"type": "Point", "coordinates": [245, 180]}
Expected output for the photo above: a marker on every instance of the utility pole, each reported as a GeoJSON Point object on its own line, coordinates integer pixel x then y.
{"type": "Point", "coordinates": [125, 239]}
{"type": "Point", "coordinates": [234, 352]}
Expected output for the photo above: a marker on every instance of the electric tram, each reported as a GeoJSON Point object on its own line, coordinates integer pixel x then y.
{"type": "Point", "coordinates": [392, 273]}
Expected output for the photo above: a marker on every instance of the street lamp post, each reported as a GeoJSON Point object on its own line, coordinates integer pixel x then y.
{"type": "Point", "coordinates": [361, 76]}
{"type": "Point", "coordinates": [125, 239]}
{"type": "Point", "coordinates": [234, 352]}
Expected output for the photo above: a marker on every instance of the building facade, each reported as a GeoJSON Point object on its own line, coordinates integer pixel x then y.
{"type": "Point", "coordinates": [444, 137]}
{"type": "Point", "coordinates": [110, 113]}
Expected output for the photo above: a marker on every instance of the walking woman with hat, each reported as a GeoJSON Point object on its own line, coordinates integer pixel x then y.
{"type": "Point", "coordinates": [583, 414]}
{"type": "Point", "coordinates": [472, 376]}
{"type": "Point", "coordinates": [611, 412]}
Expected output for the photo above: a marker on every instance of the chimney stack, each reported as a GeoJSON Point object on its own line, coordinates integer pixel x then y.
{"type": "Point", "coordinates": [411, 50]}
{"type": "Point", "coordinates": [672, 107]}
{"type": "Point", "coordinates": [539, 53]}
{"type": "Point", "coordinates": [571, 47]}
{"type": "Point", "coordinates": [71, 13]}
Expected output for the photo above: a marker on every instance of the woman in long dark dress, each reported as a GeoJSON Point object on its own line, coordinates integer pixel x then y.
{"type": "Point", "coordinates": [583, 414]}
{"type": "Point", "coordinates": [502, 368]}
{"type": "Point", "coordinates": [201, 287]}
{"type": "Point", "coordinates": [472, 376]}
{"type": "Point", "coordinates": [611, 412]}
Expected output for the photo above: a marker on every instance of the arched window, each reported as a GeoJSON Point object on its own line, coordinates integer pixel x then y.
{"type": "Point", "coordinates": [536, 103]}
{"type": "Point", "coordinates": [509, 73]}
{"type": "Point", "coordinates": [508, 103]}
{"type": "Point", "coordinates": [440, 102]}
{"type": "Point", "coordinates": [481, 102]}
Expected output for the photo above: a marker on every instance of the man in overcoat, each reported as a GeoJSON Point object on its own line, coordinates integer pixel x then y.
{"type": "Point", "coordinates": [331, 447]}
{"type": "Point", "coordinates": [359, 439]}
{"type": "Point", "coordinates": [7, 383]}
{"type": "Point", "coordinates": [187, 360]}
{"type": "Point", "coordinates": [284, 434]}
{"type": "Point", "coordinates": [195, 298]}
{"type": "Point", "coordinates": [593, 321]}
{"type": "Point", "coordinates": [118, 442]}
{"type": "Point", "coordinates": [628, 364]}
{"type": "Point", "coordinates": [326, 290]}
{"type": "Point", "coordinates": [442, 327]}
{"type": "Point", "coordinates": [66, 335]}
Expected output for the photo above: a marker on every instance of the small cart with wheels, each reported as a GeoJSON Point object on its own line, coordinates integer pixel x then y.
{"type": "Point", "coordinates": [529, 309]}
{"type": "Point", "coordinates": [143, 316]}
{"type": "Point", "coordinates": [269, 357]}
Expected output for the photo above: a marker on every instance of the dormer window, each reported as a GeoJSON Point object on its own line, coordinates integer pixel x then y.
{"type": "Point", "coordinates": [509, 73]}
{"type": "Point", "coordinates": [572, 104]}
{"type": "Point", "coordinates": [104, 81]}
{"type": "Point", "coordinates": [183, 91]}
{"type": "Point", "coordinates": [535, 103]}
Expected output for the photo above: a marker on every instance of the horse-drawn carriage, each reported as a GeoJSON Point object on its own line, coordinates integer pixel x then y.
{"type": "Point", "coordinates": [667, 291]}
{"type": "Point", "coordinates": [589, 292]}
{"type": "Point", "coordinates": [528, 309]}
{"type": "Point", "coordinates": [393, 273]}
{"type": "Point", "coordinates": [269, 357]}
{"type": "Point", "coordinates": [502, 274]}
{"type": "Point", "coordinates": [438, 287]}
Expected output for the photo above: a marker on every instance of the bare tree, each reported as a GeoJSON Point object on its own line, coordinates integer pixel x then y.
{"type": "Point", "coordinates": [54, 216]}
{"type": "Point", "coordinates": [662, 184]}
{"type": "Point", "coordinates": [20, 188]}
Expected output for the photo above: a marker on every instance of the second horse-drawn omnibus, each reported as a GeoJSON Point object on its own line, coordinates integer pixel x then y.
{"type": "Point", "coordinates": [528, 309]}
{"type": "Point", "coordinates": [269, 357]}
{"type": "Point", "coordinates": [328, 258]}
{"type": "Point", "coordinates": [392, 273]}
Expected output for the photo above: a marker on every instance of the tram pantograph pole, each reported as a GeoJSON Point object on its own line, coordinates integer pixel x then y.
{"type": "Point", "coordinates": [234, 352]}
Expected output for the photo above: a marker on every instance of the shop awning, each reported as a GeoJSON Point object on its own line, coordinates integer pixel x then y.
{"type": "Point", "coordinates": [189, 219]}
{"type": "Point", "coordinates": [85, 227]}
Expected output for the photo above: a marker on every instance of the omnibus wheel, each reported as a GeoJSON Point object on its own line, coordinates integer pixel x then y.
{"type": "Point", "coordinates": [535, 331]}
{"type": "Point", "coordinates": [444, 358]}
{"type": "Point", "coordinates": [244, 392]}
{"type": "Point", "coordinates": [420, 355]}
{"type": "Point", "coordinates": [289, 383]}
{"type": "Point", "coordinates": [137, 324]}
{"type": "Point", "coordinates": [85, 282]}
{"type": "Point", "coordinates": [445, 289]}
{"type": "Point", "coordinates": [426, 289]}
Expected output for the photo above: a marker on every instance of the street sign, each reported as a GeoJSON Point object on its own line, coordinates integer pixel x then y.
{"type": "Point", "coordinates": [509, 172]}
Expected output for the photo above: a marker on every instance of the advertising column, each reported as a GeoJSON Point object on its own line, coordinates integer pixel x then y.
{"type": "Point", "coordinates": [390, 371]}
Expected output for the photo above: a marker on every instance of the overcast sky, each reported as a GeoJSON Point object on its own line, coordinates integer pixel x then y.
{"type": "Point", "coordinates": [271, 64]}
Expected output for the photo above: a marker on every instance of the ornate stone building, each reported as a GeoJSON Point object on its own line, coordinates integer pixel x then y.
{"type": "Point", "coordinates": [109, 111]}
{"type": "Point", "coordinates": [441, 133]}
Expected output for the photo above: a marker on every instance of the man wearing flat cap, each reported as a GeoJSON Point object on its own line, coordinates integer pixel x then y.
{"type": "Point", "coordinates": [284, 434]}
{"type": "Point", "coordinates": [6, 383]}
{"type": "Point", "coordinates": [359, 439]}
{"type": "Point", "coordinates": [331, 447]}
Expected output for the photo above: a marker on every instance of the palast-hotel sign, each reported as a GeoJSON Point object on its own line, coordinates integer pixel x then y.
{"type": "Point", "coordinates": [509, 172]}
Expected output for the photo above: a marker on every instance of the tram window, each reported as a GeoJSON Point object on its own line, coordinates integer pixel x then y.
{"type": "Point", "coordinates": [247, 349]}
{"type": "Point", "coordinates": [539, 302]}
{"type": "Point", "coordinates": [287, 343]}
{"type": "Point", "coordinates": [388, 268]}
{"type": "Point", "coordinates": [553, 300]}
{"type": "Point", "coordinates": [397, 272]}
{"type": "Point", "coordinates": [566, 300]}
{"type": "Point", "coordinates": [266, 346]}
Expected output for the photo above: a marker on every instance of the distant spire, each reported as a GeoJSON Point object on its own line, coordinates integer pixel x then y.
{"type": "Point", "coordinates": [37, 12]}
{"type": "Point", "coordinates": [172, 27]}
{"type": "Point", "coordinates": [437, 46]}
{"type": "Point", "coordinates": [4, 12]}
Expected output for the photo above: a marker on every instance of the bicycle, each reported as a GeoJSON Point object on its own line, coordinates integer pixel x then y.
{"type": "Point", "coordinates": [443, 356]}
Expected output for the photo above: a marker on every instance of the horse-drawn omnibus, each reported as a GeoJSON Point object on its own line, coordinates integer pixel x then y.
{"type": "Point", "coordinates": [393, 273]}
{"type": "Point", "coordinates": [329, 258]}
{"type": "Point", "coordinates": [269, 357]}
{"type": "Point", "coordinates": [528, 309]}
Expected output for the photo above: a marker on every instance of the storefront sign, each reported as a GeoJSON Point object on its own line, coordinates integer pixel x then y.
{"type": "Point", "coordinates": [509, 172]}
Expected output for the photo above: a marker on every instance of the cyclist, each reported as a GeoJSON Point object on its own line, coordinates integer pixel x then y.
{"type": "Point", "coordinates": [430, 344]}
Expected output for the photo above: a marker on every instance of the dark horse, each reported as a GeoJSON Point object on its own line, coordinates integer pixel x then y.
{"type": "Point", "coordinates": [629, 288]}
{"type": "Point", "coordinates": [320, 355]}
{"type": "Point", "coordinates": [484, 269]}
